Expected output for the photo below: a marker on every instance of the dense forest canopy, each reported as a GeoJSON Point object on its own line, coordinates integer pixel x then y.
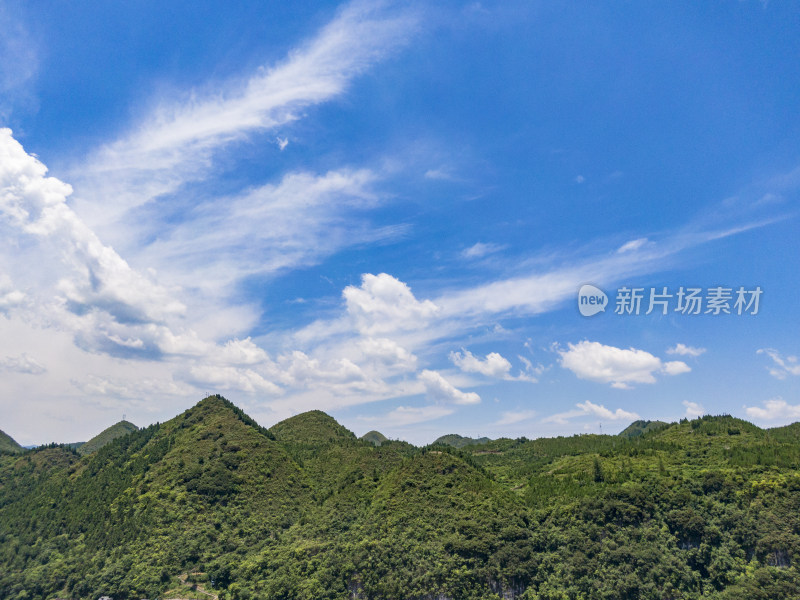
{"type": "Point", "coordinates": [211, 503]}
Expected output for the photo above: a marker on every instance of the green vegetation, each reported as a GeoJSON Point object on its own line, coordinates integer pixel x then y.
{"type": "Point", "coordinates": [458, 441]}
{"type": "Point", "coordinates": [641, 427]}
{"type": "Point", "coordinates": [211, 503]}
{"type": "Point", "coordinates": [7, 444]}
{"type": "Point", "coordinates": [375, 437]}
{"type": "Point", "coordinates": [106, 436]}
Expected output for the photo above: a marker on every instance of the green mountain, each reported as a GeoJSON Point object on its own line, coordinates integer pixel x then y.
{"type": "Point", "coordinates": [458, 441]}
{"type": "Point", "coordinates": [106, 436]}
{"type": "Point", "coordinates": [638, 428]}
{"type": "Point", "coordinates": [375, 437]}
{"type": "Point", "coordinates": [211, 504]}
{"type": "Point", "coordinates": [7, 444]}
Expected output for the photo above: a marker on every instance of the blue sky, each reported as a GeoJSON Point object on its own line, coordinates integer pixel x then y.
{"type": "Point", "coordinates": [385, 211]}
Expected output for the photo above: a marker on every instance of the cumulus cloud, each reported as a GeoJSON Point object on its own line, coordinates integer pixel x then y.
{"type": "Point", "coordinates": [388, 352]}
{"type": "Point", "coordinates": [774, 409]}
{"type": "Point", "coordinates": [693, 409]}
{"type": "Point", "coordinates": [684, 350]}
{"type": "Point", "coordinates": [438, 388]}
{"type": "Point", "coordinates": [494, 365]}
{"type": "Point", "coordinates": [675, 367]}
{"type": "Point", "coordinates": [783, 366]}
{"type": "Point", "coordinates": [617, 366]}
{"type": "Point", "coordinates": [95, 276]}
{"type": "Point", "coordinates": [384, 304]}
{"type": "Point", "coordinates": [591, 409]}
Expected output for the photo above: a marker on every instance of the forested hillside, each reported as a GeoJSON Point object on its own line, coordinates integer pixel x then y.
{"type": "Point", "coordinates": [7, 443]}
{"type": "Point", "coordinates": [106, 436]}
{"type": "Point", "coordinates": [708, 508]}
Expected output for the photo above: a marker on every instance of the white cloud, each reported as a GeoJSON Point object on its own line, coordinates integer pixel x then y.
{"type": "Point", "coordinates": [19, 64]}
{"type": "Point", "coordinates": [632, 245]}
{"type": "Point", "coordinates": [693, 409]}
{"type": "Point", "coordinates": [384, 304]}
{"type": "Point", "coordinates": [230, 378]}
{"type": "Point", "coordinates": [22, 364]}
{"type": "Point", "coordinates": [604, 413]}
{"type": "Point", "coordinates": [774, 409]}
{"type": "Point", "coordinates": [684, 350]}
{"type": "Point", "coordinates": [85, 276]}
{"type": "Point", "coordinates": [409, 415]}
{"type": "Point", "coordinates": [512, 417]}
{"type": "Point", "coordinates": [494, 365]}
{"type": "Point", "coordinates": [176, 144]}
{"type": "Point", "coordinates": [122, 391]}
{"type": "Point", "coordinates": [675, 367]}
{"type": "Point", "coordinates": [275, 227]}
{"type": "Point", "coordinates": [784, 366]}
{"type": "Point", "coordinates": [439, 174]}
{"type": "Point", "coordinates": [438, 388]}
{"type": "Point", "coordinates": [616, 366]}
{"type": "Point", "coordinates": [590, 409]}
{"type": "Point", "coordinates": [389, 352]}
{"type": "Point", "coordinates": [282, 143]}
{"type": "Point", "coordinates": [479, 250]}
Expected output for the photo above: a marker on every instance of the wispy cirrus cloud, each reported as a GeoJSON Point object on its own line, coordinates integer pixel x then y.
{"type": "Point", "coordinates": [19, 64]}
{"type": "Point", "coordinates": [293, 223]}
{"type": "Point", "coordinates": [512, 417]}
{"type": "Point", "coordinates": [782, 366]}
{"type": "Point", "coordinates": [177, 142]}
{"type": "Point", "coordinates": [409, 415]}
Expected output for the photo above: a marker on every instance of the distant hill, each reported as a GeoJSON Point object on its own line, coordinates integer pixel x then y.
{"type": "Point", "coordinates": [459, 441]}
{"type": "Point", "coordinates": [313, 429]}
{"type": "Point", "coordinates": [105, 436]}
{"type": "Point", "coordinates": [375, 437]}
{"type": "Point", "coordinates": [786, 433]}
{"type": "Point", "coordinates": [638, 428]}
{"type": "Point", "coordinates": [7, 444]}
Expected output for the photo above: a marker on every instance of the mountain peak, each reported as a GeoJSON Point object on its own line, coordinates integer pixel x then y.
{"type": "Point", "coordinates": [312, 428]}
{"type": "Point", "coordinates": [106, 436]}
{"type": "Point", "coordinates": [641, 427]}
{"type": "Point", "coordinates": [375, 437]}
{"type": "Point", "coordinates": [217, 405]}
